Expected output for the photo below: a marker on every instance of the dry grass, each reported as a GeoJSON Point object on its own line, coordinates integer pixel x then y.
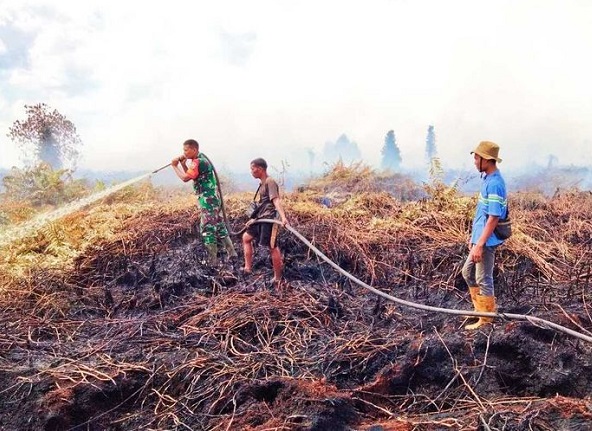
{"type": "Point", "coordinates": [75, 319]}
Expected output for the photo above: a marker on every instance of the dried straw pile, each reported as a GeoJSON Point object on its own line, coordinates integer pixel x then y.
{"type": "Point", "coordinates": [110, 322]}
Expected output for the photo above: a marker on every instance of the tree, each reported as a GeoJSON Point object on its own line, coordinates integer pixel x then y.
{"type": "Point", "coordinates": [431, 151]}
{"type": "Point", "coordinates": [343, 149]}
{"type": "Point", "coordinates": [46, 136]}
{"type": "Point", "coordinates": [391, 155]}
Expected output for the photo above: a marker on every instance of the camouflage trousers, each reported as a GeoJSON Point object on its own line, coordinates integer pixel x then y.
{"type": "Point", "coordinates": [212, 225]}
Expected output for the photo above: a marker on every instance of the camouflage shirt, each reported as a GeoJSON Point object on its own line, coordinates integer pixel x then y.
{"type": "Point", "coordinates": [205, 183]}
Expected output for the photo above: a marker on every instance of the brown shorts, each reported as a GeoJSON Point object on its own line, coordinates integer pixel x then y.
{"type": "Point", "coordinates": [265, 233]}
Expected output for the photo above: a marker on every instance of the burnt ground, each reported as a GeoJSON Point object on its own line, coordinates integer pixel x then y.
{"type": "Point", "coordinates": [140, 335]}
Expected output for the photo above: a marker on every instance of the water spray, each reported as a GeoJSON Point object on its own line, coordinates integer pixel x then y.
{"type": "Point", "coordinates": [17, 232]}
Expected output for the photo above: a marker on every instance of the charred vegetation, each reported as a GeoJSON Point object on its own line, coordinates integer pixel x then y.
{"type": "Point", "coordinates": [112, 322]}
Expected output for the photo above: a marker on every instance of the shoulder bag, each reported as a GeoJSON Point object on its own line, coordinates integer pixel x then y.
{"type": "Point", "coordinates": [503, 230]}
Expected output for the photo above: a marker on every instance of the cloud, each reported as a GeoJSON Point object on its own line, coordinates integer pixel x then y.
{"type": "Point", "coordinates": [14, 48]}
{"type": "Point", "coordinates": [272, 77]}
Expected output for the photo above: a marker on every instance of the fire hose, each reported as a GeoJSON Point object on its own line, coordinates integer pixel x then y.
{"type": "Point", "coordinates": [537, 321]}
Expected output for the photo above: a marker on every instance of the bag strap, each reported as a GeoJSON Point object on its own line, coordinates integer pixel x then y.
{"type": "Point", "coordinates": [255, 196]}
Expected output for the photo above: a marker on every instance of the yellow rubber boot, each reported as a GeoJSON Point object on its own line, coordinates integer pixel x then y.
{"type": "Point", "coordinates": [474, 291]}
{"type": "Point", "coordinates": [488, 305]}
{"type": "Point", "coordinates": [484, 304]}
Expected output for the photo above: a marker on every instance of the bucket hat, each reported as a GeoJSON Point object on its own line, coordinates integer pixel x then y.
{"type": "Point", "coordinates": [488, 150]}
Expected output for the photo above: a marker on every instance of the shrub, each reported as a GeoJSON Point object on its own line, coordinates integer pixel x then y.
{"type": "Point", "coordinates": [41, 185]}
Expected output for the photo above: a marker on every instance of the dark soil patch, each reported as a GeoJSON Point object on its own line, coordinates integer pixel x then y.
{"type": "Point", "coordinates": [152, 339]}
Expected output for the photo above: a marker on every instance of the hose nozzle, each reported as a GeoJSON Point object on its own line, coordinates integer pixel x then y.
{"type": "Point", "coordinates": [160, 169]}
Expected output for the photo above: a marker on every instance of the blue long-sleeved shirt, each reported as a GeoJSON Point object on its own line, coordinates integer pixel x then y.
{"type": "Point", "coordinates": [492, 201]}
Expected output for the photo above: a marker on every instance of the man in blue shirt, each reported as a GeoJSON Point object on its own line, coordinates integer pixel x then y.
{"type": "Point", "coordinates": [491, 207]}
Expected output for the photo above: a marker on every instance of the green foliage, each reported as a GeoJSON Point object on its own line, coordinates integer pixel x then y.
{"type": "Point", "coordinates": [46, 136]}
{"type": "Point", "coordinates": [99, 186]}
{"type": "Point", "coordinates": [42, 185]}
{"type": "Point", "coordinates": [442, 197]}
{"type": "Point", "coordinates": [436, 188]}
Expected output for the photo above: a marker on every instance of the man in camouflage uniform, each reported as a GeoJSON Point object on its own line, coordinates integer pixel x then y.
{"type": "Point", "coordinates": [201, 171]}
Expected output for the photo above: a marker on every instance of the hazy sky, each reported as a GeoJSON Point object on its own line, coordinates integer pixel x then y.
{"type": "Point", "coordinates": [280, 78]}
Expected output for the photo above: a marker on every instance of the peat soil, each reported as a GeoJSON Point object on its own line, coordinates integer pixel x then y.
{"type": "Point", "coordinates": [140, 334]}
